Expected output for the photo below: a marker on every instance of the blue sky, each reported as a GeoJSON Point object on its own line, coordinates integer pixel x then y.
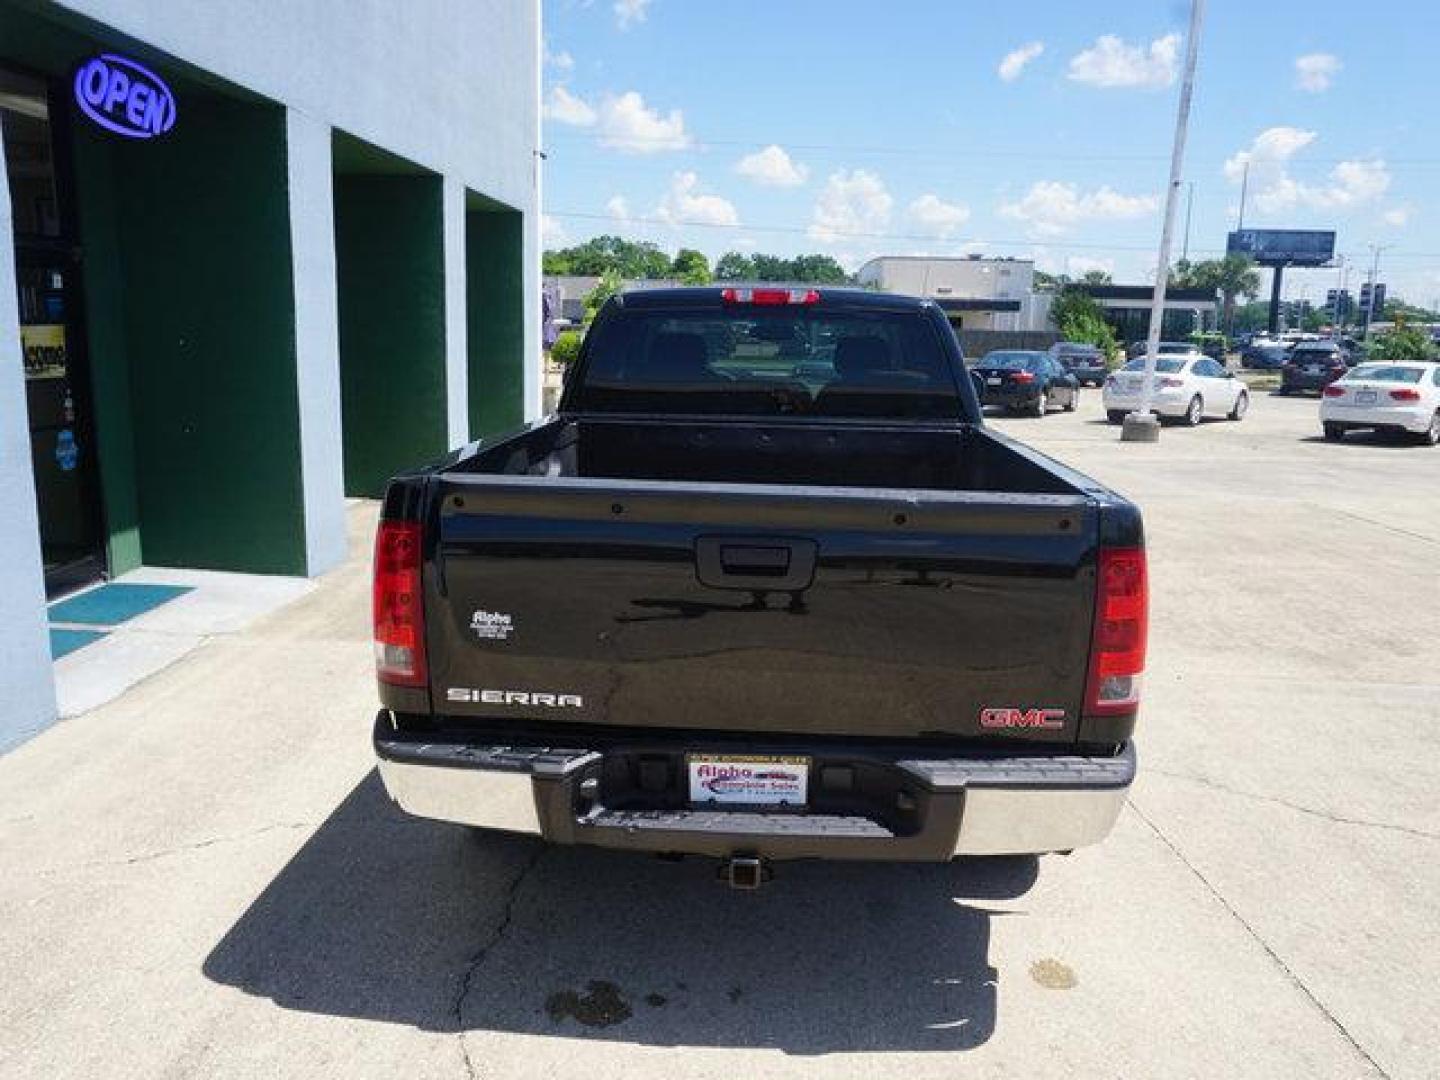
{"type": "Point", "coordinates": [1034, 129]}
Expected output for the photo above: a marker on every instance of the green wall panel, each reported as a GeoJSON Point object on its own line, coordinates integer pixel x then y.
{"type": "Point", "coordinates": [391, 277]}
{"type": "Point", "coordinates": [495, 320]}
{"type": "Point", "coordinates": [209, 319]}
{"type": "Point", "coordinates": [104, 284]}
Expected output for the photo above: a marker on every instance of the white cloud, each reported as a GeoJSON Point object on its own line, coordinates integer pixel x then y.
{"type": "Point", "coordinates": [851, 203]}
{"type": "Point", "coordinates": [772, 167]}
{"type": "Point", "coordinates": [565, 108]}
{"type": "Point", "coordinates": [1397, 216]}
{"type": "Point", "coordinates": [561, 60]}
{"type": "Point", "coordinates": [630, 12]}
{"type": "Point", "coordinates": [685, 204]}
{"type": "Point", "coordinates": [618, 208]}
{"type": "Point", "coordinates": [1014, 62]}
{"type": "Point", "coordinates": [552, 233]}
{"type": "Point", "coordinates": [1314, 72]}
{"type": "Point", "coordinates": [1051, 207]}
{"type": "Point", "coordinates": [1112, 63]}
{"type": "Point", "coordinates": [933, 216]}
{"type": "Point", "coordinates": [1273, 189]}
{"type": "Point", "coordinates": [629, 125]}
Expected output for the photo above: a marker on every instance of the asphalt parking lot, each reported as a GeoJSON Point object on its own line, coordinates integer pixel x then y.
{"type": "Point", "coordinates": [204, 878]}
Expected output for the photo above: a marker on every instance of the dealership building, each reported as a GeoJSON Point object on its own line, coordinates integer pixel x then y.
{"type": "Point", "coordinates": [254, 258]}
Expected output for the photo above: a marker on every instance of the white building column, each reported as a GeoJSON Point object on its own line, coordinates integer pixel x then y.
{"type": "Point", "coordinates": [457, 339]}
{"type": "Point", "coordinates": [317, 340]}
{"type": "Point", "coordinates": [27, 678]}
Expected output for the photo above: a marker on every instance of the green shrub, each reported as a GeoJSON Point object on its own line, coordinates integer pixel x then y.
{"type": "Point", "coordinates": [1402, 343]}
{"type": "Point", "coordinates": [566, 349]}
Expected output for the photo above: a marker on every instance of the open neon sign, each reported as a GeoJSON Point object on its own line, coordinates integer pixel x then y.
{"type": "Point", "coordinates": [124, 96]}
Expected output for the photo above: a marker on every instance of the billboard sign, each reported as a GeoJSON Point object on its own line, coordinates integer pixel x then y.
{"type": "Point", "coordinates": [1284, 247]}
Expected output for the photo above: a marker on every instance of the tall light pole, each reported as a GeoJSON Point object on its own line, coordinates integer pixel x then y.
{"type": "Point", "coordinates": [1143, 425]}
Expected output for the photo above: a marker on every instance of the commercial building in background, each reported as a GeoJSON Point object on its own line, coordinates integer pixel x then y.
{"type": "Point", "coordinates": [254, 258]}
{"type": "Point", "coordinates": [1127, 309]}
{"type": "Point", "coordinates": [975, 293]}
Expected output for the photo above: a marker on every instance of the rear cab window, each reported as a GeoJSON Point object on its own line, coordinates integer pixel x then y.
{"type": "Point", "coordinates": [1384, 373]}
{"type": "Point", "coordinates": [788, 360]}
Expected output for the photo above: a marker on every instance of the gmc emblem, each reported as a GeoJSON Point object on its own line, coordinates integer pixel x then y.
{"type": "Point", "coordinates": [1044, 719]}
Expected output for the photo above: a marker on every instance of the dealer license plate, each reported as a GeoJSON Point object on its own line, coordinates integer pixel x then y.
{"type": "Point", "coordinates": [748, 779]}
{"type": "Point", "coordinates": [992, 382]}
{"type": "Point", "coordinates": [1365, 397]}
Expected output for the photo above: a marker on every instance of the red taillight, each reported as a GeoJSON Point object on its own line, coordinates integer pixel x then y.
{"type": "Point", "coordinates": [1405, 395]}
{"type": "Point", "coordinates": [1334, 391]}
{"type": "Point", "coordinates": [770, 297]}
{"type": "Point", "coordinates": [399, 614]}
{"type": "Point", "coordinates": [1117, 647]}
{"type": "Point", "coordinates": [1022, 376]}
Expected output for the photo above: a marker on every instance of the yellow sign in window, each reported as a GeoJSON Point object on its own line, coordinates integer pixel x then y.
{"type": "Point", "coordinates": [44, 348]}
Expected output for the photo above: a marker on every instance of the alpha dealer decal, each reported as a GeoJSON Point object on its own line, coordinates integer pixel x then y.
{"type": "Point", "coordinates": [124, 96]}
{"type": "Point", "coordinates": [492, 625]}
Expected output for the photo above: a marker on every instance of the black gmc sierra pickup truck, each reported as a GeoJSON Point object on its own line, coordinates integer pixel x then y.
{"type": "Point", "coordinates": [765, 587]}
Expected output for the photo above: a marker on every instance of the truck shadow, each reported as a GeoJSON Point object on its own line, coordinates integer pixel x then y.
{"type": "Point", "coordinates": [386, 918]}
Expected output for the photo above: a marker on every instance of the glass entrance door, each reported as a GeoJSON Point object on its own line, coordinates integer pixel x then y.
{"type": "Point", "coordinates": [57, 386]}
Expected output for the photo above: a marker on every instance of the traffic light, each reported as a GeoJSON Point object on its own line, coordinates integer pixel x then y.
{"type": "Point", "coordinates": [1379, 299]}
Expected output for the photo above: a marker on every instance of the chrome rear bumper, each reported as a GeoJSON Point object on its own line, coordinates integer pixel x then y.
{"type": "Point", "coordinates": [963, 806]}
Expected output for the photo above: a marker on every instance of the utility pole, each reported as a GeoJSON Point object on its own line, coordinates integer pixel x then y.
{"type": "Point", "coordinates": [1143, 425]}
{"type": "Point", "coordinates": [1244, 184]}
{"type": "Point", "coordinates": [1189, 201]}
{"type": "Point", "coordinates": [1375, 250]}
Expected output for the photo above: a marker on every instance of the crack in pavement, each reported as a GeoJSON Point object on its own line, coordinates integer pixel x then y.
{"type": "Point", "coordinates": [1397, 530]}
{"type": "Point", "coordinates": [482, 953]}
{"type": "Point", "coordinates": [1297, 807]}
{"type": "Point", "coordinates": [1274, 956]}
{"type": "Point", "coordinates": [179, 849]}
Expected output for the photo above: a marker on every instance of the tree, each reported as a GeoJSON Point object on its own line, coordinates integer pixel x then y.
{"type": "Point", "coordinates": [1403, 343]}
{"type": "Point", "coordinates": [1095, 277]}
{"type": "Point", "coordinates": [1232, 277]}
{"type": "Point", "coordinates": [732, 266]}
{"type": "Point", "coordinates": [609, 254]}
{"type": "Point", "coordinates": [1078, 318]}
{"type": "Point", "coordinates": [608, 286]}
{"type": "Point", "coordinates": [817, 270]}
{"type": "Point", "coordinates": [691, 267]}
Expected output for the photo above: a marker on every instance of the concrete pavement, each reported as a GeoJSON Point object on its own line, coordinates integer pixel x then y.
{"type": "Point", "coordinates": [203, 878]}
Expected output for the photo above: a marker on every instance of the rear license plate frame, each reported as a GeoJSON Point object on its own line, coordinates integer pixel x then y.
{"type": "Point", "coordinates": [751, 780]}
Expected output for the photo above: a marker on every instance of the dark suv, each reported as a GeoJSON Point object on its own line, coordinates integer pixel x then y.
{"type": "Point", "coordinates": [1085, 362]}
{"type": "Point", "coordinates": [1313, 365]}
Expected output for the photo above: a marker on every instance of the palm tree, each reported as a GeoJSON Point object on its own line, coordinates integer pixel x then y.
{"type": "Point", "coordinates": [1236, 276]}
{"type": "Point", "coordinates": [1233, 276]}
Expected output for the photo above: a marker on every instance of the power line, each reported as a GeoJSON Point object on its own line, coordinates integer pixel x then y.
{"type": "Point", "coordinates": [836, 235]}
{"type": "Point", "coordinates": [671, 142]}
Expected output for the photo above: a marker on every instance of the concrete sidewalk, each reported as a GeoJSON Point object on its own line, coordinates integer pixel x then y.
{"type": "Point", "coordinates": [205, 879]}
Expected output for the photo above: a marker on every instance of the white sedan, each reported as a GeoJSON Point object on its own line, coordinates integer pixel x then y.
{"type": "Point", "coordinates": [1187, 388]}
{"type": "Point", "coordinates": [1396, 397]}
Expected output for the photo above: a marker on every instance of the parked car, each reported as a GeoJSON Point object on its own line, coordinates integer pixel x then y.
{"type": "Point", "coordinates": [1187, 388]}
{"type": "Point", "coordinates": [1265, 354]}
{"type": "Point", "coordinates": [1085, 362]}
{"type": "Point", "coordinates": [712, 605]}
{"type": "Point", "coordinates": [1017, 380]}
{"type": "Point", "coordinates": [1355, 350]}
{"type": "Point", "coordinates": [1312, 365]}
{"type": "Point", "coordinates": [1165, 348]}
{"type": "Point", "coordinates": [1394, 397]}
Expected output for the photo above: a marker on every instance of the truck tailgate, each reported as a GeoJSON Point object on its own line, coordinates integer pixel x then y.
{"type": "Point", "coordinates": [760, 609]}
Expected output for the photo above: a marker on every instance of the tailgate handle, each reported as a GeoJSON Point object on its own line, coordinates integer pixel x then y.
{"type": "Point", "coordinates": [729, 562]}
{"type": "Point", "coordinates": [755, 561]}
